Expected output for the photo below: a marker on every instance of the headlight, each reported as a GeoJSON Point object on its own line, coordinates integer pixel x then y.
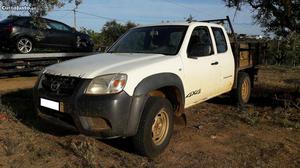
{"type": "Point", "coordinates": [107, 84]}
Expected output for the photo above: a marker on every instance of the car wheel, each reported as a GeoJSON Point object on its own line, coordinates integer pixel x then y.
{"type": "Point", "coordinates": [84, 46]}
{"type": "Point", "coordinates": [24, 45]}
{"type": "Point", "coordinates": [155, 128]}
{"type": "Point", "coordinates": [243, 91]}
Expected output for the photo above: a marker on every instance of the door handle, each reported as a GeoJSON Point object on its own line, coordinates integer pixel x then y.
{"type": "Point", "coordinates": [215, 63]}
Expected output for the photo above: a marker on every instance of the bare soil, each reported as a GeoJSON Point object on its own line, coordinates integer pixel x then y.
{"type": "Point", "coordinates": [266, 133]}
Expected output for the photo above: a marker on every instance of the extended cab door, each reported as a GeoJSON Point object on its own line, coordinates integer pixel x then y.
{"type": "Point", "coordinates": [225, 59]}
{"type": "Point", "coordinates": [201, 67]}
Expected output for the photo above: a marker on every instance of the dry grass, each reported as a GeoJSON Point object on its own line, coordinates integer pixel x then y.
{"type": "Point", "coordinates": [263, 134]}
{"type": "Point", "coordinates": [84, 149]}
{"type": "Point", "coordinates": [10, 146]}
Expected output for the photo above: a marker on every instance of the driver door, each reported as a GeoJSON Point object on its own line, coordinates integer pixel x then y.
{"type": "Point", "coordinates": [201, 67]}
{"type": "Point", "coordinates": [60, 34]}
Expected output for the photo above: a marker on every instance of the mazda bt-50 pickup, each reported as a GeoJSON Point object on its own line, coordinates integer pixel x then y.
{"type": "Point", "coordinates": [146, 79]}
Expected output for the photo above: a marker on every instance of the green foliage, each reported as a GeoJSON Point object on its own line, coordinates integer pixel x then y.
{"type": "Point", "coordinates": [278, 16]}
{"type": "Point", "coordinates": [42, 7]}
{"type": "Point", "coordinates": [110, 32]}
{"type": "Point", "coordinates": [285, 51]}
{"type": "Point", "coordinates": [281, 17]}
{"type": "Point", "coordinates": [96, 37]}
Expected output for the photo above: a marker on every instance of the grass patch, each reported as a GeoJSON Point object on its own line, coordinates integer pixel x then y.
{"type": "Point", "coordinates": [6, 113]}
{"type": "Point", "coordinates": [85, 149]}
{"type": "Point", "coordinates": [10, 146]}
{"type": "Point", "coordinates": [249, 115]}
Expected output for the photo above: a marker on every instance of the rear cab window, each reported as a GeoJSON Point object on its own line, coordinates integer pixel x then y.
{"type": "Point", "coordinates": [220, 39]}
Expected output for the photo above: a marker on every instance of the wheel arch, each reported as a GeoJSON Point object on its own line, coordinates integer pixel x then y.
{"type": "Point", "coordinates": [251, 72]}
{"type": "Point", "coordinates": [18, 36]}
{"type": "Point", "coordinates": [167, 85]}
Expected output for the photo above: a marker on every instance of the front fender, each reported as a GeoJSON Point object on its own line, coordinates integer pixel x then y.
{"type": "Point", "coordinates": [140, 96]}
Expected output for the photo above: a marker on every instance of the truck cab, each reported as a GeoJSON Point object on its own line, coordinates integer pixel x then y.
{"type": "Point", "coordinates": [146, 79]}
{"type": "Point", "coordinates": [208, 61]}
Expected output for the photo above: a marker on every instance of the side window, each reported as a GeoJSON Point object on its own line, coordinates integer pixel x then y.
{"type": "Point", "coordinates": [22, 22]}
{"type": "Point", "coordinates": [58, 26]}
{"type": "Point", "coordinates": [220, 39]}
{"type": "Point", "coordinates": [37, 24]}
{"type": "Point", "coordinates": [200, 43]}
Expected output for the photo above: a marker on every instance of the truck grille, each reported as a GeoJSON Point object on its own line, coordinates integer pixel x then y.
{"type": "Point", "coordinates": [60, 85]}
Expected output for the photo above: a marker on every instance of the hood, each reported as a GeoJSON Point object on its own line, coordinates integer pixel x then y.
{"type": "Point", "coordinates": [106, 63]}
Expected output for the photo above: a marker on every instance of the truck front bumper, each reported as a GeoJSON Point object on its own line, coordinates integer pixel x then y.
{"type": "Point", "coordinates": [102, 116]}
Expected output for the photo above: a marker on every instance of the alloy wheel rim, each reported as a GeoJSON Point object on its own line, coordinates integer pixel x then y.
{"type": "Point", "coordinates": [24, 45]}
{"type": "Point", "coordinates": [160, 127]}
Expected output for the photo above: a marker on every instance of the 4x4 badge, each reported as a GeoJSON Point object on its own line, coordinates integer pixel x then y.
{"type": "Point", "coordinates": [195, 92]}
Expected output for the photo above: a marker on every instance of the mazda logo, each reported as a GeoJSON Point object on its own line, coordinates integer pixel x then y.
{"type": "Point", "coordinates": [55, 86]}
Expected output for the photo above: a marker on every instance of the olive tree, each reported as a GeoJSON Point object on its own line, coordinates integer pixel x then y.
{"type": "Point", "coordinates": [279, 16]}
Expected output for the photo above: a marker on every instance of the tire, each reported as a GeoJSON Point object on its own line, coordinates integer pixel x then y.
{"type": "Point", "coordinates": [243, 91]}
{"type": "Point", "coordinates": [85, 47]}
{"type": "Point", "coordinates": [24, 45]}
{"type": "Point", "coordinates": [157, 115]}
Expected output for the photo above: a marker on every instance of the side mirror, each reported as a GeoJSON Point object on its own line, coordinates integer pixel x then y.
{"type": "Point", "coordinates": [200, 50]}
{"type": "Point", "coordinates": [73, 29]}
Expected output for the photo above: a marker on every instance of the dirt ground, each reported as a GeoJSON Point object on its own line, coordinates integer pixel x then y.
{"type": "Point", "coordinates": [266, 133]}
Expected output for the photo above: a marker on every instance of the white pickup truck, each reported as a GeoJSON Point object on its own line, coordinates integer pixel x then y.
{"type": "Point", "coordinates": [148, 77]}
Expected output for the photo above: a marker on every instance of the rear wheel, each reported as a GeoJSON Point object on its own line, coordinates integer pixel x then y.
{"type": "Point", "coordinates": [155, 128]}
{"type": "Point", "coordinates": [24, 45]}
{"type": "Point", "coordinates": [243, 91]}
{"type": "Point", "coordinates": [84, 46]}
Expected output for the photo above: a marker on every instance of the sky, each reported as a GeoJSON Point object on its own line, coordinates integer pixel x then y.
{"type": "Point", "coordinates": [93, 14]}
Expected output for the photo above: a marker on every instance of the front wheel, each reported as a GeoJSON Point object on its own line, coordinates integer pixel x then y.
{"type": "Point", "coordinates": [243, 91]}
{"type": "Point", "coordinates": [24, 45]}
{"type": "Point", "coordinates": [155, 128]}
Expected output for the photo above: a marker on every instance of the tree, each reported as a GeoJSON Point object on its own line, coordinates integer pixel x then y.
{"type": "Point", "coordinates": [284, 51]}
{"type": "Point", "coordinates": [190, 18]}
{"type": "Point", "coordinates": [41, 7]}
{"type": "Point", "coordinates": [279, 16]}
{"type": "Point", "coordinates": [96, 37]}
{"type": "Point", "coordinates": [112, 30]}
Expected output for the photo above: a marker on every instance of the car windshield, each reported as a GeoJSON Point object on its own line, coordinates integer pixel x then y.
{"type": "Point", "coordinates": [158, 39]}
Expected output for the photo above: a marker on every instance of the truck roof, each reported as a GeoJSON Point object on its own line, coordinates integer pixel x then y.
{"type": "Point", "coordinates": [180, 24]}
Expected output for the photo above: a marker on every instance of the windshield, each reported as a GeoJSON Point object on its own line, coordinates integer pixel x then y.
{"type": "Point", "coordinates": [158, 40]}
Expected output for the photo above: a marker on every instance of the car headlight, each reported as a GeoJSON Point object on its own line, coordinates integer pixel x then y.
{"type": "Point", "coordinates": [107, 84]}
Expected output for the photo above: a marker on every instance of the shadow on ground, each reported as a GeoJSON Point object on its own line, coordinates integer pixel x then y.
{"type": "Point", "coordinates": [22, 106]}
{"type": "Point", "coordinates": [261, 96]}
{"type": "Point", "coordinates": [19, 74]}
{"type": "Point", "coordinates": [20, 103]}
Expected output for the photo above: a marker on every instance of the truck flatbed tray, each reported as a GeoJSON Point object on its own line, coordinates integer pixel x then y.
{"type": "Point", "coordinates": [16, 64]}
{"type": "Point", "coordinates": [8, 56]}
